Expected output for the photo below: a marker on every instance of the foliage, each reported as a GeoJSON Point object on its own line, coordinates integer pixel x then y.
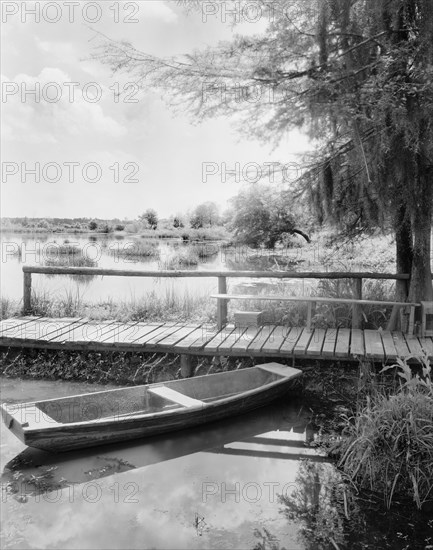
{"type": "Point", "coordinates": [150, 217]}
{"type": "Point", "coordinates": [388, 445]}
{"type": "Point", "coordinates": [205, 215]}
{"type": "Point", "coordinates": [93, 226]}
{"type": "Point", "coordinates": [177, 222]}
{"type": "Point", "coordinates": [261, 218]}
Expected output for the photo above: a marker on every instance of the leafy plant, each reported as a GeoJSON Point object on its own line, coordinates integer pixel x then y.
{"type": "Point", "coordinates": [388, 445]}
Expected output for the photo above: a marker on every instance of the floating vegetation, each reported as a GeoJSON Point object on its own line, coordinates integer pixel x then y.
{"type": "Point", "coordinates": [181, 257]}
{"type": "Point", "coordinates": [135, 250]}
{"type": "Point", "coordinates": [71, 261]}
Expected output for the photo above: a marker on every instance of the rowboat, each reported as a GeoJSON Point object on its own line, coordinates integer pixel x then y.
{"type": "Point", "coordinates": [121, 414]}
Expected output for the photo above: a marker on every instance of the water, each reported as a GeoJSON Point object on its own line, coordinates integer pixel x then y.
{"type": "Point", "coordinates": [103, 252]}
{"type": "Point", "coordinates": [211, 487]}
{"type": "Point", "coordinates": [215, 486]}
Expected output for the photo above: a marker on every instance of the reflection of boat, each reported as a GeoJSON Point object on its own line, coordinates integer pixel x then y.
{"type": "Point", "coordinates": [34, 471]}
{"type": "Point", "coordinates": [121, 414]}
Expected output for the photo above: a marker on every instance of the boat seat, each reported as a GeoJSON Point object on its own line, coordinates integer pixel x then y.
{"type": "Point", "coordinates": [175, 396]}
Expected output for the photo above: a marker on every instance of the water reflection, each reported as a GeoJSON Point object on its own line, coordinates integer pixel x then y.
{"type": "Point", "coordinates": [276, 432]}
{"type": "Point", "coordinates": [247, 482]}
{"type": "Point", "coordinates": [178, 491]}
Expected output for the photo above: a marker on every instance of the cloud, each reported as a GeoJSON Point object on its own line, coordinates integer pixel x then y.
{"type": "Point", "coordinates": [157, 10]}
{"type": "Point", "coordinates": [31, 117]}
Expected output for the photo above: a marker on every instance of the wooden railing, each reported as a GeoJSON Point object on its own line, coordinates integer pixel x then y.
{"type": "Point", "coordinates": [222, 276]}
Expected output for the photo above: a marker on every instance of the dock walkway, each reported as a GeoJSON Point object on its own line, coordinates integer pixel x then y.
{"type": "Point", "coordinates": [180, 338]}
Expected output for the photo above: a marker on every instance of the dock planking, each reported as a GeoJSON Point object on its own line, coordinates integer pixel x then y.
{"type": "Point", "coordinates": [158, 335]}
{"type": "Point", "coordinates": [400, 344]}
{"type": "Point", "coordinates": [240, 347]}
{"type": "Point", "coordinates": [263, 334]}
{"type": "Point", "coordinates": [414, 346]}
{"type": "Point", "coordinates": [329, 342]}
{"type": "Point", "coordinates": [215, 343]}
{"type": "Point", "coordinates": [316, 343]}
{"type": "Point", "coordinates": [427, 346]}
{"type": "Point", "coordinates": [373, 345]}
{"type": "Point", "coordinates": [302, 343]}
{"type": "Point", "coordinates": [343, 341]}
{"type": "Point", "coordinates": [357, 346]}
{"type": "Point", "coordinates": [275, 341]}
{"type": "Point", "coordinates": [255, 341]}
{"type": "Point", "coordinates": [389, 346]}
{"type": "Point", "coordinates": [290, 341]}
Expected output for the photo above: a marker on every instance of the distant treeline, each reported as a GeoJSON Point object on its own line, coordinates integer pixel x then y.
{"type": "Point", "coordinates": [56, 221]}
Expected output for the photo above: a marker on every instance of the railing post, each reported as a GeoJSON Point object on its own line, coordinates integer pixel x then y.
{"type": "Point", "coordinates": [222, 304]}
{"type": "Point", "coordinates": [27, 292]}
{"type": "Point", "coordinates": [310, 308]}
{"type": "Point", "coordinates": [357, 308]}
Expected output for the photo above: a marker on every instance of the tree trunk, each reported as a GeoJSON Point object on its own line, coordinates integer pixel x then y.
{"type": "Point", "coordinates": [404, 256]}
{"type": "Point", "coordinates": [421, 277]}
{"type": "Point", "coordinates": [299, 232]}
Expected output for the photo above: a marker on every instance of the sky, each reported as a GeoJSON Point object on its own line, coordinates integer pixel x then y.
{"type": "Point", "coordinates": [71, 150]}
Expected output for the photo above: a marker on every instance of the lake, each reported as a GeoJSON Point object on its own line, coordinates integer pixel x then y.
{"type": "Point", "coordinates": [211, 487]}
{"type": "Point", "coordinates": [249, 482]}
{"type": "Point", "coordinates": [109, 252]}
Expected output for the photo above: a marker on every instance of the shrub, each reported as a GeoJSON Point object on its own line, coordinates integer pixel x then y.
{"type": "Point", "coordinates": [388, 445]}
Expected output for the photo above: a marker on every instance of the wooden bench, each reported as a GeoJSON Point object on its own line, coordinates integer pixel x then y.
{"type": "Point", "coordinates": [175, 396]}
{"type": "Point", "coordinates": [312, 300]}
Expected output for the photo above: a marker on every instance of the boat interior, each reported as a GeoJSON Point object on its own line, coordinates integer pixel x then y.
{"type": "Point", "coordinates": [164, 397]}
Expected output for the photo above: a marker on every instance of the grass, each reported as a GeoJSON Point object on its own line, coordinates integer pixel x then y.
{"type": "Point", "coordinates": [186, 234]}
{"type": "Point", "coordinates": [70, 305]}
{"type": "Point", "coordinates": [167, 306]}
{"type": "Point", "coordinates": [388, 445]}
{"type": "Point", "coordinates": [137, 250]}
{"type": "Point", "coordinates": [64, 249]}
{"type": "Point", "coordinates": [326, 315]}
{"type": "Point", "coordinates": [180, 257]}
{"type": "Point", "coordinates": [9, 308]}
{"type": "Point", "coordinates": [71, 261]}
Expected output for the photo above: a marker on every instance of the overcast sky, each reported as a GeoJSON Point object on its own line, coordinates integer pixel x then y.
{"type": "Point", "coordinates": [143, 139]}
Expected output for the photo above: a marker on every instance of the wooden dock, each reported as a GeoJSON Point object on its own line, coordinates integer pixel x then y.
{"type": "Point", "coordinates": [187, 339]}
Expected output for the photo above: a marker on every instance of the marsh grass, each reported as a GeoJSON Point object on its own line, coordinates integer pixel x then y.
{"type": "Point", "coordinates": [136, 250]}
{"type": "Point", "coordinates": [64, 249]}
{"type": "Point", "coordinates": [71, 261]}
{"type": "Point", "coordinates": [9, 308]}
{"type": "Point", "coordinates": [170, 305]}
{"type": "Point", "coordinates": [185, 256]}
{"type": "Point", "coordinates": [45, 304]}
{"type": "Point", "coordinates": [387, 446]}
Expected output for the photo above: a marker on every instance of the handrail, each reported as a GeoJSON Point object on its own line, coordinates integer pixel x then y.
{"type": "Point", "coordinates": [184, 273]}
{"type": "Point", "coordinates": [222, 281]}
{"type": "Point", "coordinates": [313, 300]}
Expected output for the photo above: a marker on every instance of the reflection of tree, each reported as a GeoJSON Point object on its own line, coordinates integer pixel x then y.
{"type": "Point", "coordinates": [318, 501]}
{"type": "Point", "coordinates": [267, 541]}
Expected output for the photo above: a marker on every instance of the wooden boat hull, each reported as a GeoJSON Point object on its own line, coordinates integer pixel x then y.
{"type": "Point", "coordinates": [34, 424]}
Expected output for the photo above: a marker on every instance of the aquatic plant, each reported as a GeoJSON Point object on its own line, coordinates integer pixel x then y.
{"type": "Point", "coordinates": [135, 250]}
{"type": "Point", "coordinates": [71, 261]}
{"type": "Point", "coordinates": [388, 445]}
{"type": "Point", "coordinates": [180, 257]}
